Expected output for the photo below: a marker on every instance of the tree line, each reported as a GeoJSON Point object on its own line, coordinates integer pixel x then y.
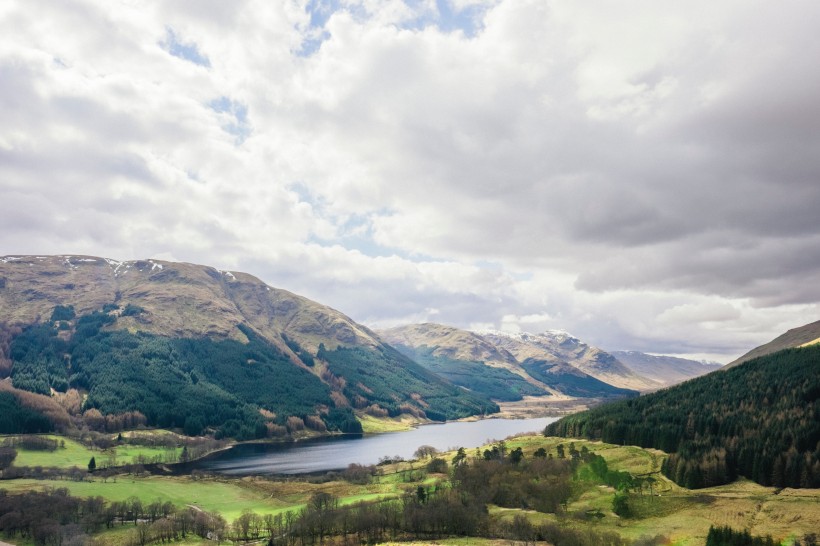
{"type": "Point", "coordinates": [56, 518]}
{"type": "Point", "coordinates": [760, 420]}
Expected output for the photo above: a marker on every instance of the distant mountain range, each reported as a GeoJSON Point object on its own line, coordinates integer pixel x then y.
{"type": "Point", "coordinates": [208, 350]}
{"type": "Point", "coordinates": [665, 370]}
{"type": "Point", "coordinates": [554, 363]}
{"type": "Point", "coordinates": [190, 345]}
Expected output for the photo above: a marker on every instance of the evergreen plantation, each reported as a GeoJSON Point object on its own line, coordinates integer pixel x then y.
{"type": "Point", "coordinates": [760, 420]}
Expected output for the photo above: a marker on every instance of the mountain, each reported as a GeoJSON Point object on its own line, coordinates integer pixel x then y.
{"type": "Point", "coordinates": [504, 367]}
{"type": "Point", "coordinates": [465, 359]}
{"type": "Point", "coordinates": [665, 370]}
{"type": "Point", "coordinates": [759, 419]}
{"type": "Point", "coordinates": [557, 347]}
{"type": "Point", "coordinates": [192, 345]}
{"type": "Point", "coordinates": [796, 337]}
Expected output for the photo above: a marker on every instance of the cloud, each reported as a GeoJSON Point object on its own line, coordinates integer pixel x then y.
{"type": "Point", "coordinates": [644, 178]}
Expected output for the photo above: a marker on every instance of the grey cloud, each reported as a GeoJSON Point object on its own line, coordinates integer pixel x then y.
{"type": "Point", "coordinates": [690, 173]}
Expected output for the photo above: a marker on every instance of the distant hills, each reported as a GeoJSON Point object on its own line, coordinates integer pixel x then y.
{"type": "Point", "coordinates": [191, 346]}
{"type": "Point", "coordinates": [557, 348]}
{"type": "Point", "coordinates": [514, 365]}
{"type": "Point", "coordinates": [665, 370]}
{"type": "Point", "coordinates": [759, 419]}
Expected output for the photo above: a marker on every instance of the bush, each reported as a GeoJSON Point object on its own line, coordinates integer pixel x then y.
{"type": "Point", "coordinates": [620, 505]}
{"type": "Point", "coordinates": [437, 466]}
{"type": "Point", "coordinates": [62, 312]}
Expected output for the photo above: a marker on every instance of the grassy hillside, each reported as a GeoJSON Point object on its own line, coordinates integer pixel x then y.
{"type": "Point", "coordinates": [760, 420]}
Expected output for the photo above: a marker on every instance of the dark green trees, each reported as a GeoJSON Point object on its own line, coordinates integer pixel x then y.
{"type": "Point", "coordinates": [760, 420]}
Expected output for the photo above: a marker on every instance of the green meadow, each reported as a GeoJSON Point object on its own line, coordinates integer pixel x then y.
{"type": "Point", "coordinates": [73, 453]}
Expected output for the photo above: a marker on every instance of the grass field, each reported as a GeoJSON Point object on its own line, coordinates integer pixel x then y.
{"type": "Point", "coordinates": [229, 497]}
{"type": "Point", "coordinates": [375, 425]}
{"type": "Point", "coordinates": [76, 454]}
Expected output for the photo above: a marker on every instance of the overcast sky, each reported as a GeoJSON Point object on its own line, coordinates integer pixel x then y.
{"type": "Point", "coordinates": [643, 174]}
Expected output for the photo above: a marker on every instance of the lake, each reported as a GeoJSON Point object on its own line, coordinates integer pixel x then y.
{"type": "Point", "coordinates": [337, 452]}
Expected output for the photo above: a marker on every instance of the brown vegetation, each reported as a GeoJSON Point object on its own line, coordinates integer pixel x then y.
{"type": "Point", "coordinates": [42, 404]}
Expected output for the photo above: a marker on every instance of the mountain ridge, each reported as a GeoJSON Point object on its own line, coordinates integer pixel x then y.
{"type": "Point", "coordinates": [795, 337]}
{"type": "Point", "coordinates": [666, 370]}
{"type": "Point", "coordinates": [446, 348]}
{"type": "Point", "coordinates": [175, 315]}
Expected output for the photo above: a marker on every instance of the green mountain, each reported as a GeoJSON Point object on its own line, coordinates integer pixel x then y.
{"type": "Point", "coordinates": [760, 419]}
{"type": "Point", "coordinates": [194, 347]}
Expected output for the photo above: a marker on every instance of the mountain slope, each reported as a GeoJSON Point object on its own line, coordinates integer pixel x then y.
{"type": "Point", "coordinates": [177, 299]}
{"type": "Point", "coordinates": [466, 359]}
{"type": "Point", "coordinates": [115, 329]}
{"type": "Point", "coordinates": [760, 419]}
{"type": "Point", "coordinates": [560, 347]}
{"type": "Point", "coordinates": [666, 370]}
{"type": "Point", "coordinates": [796, 337]}
{"type": "Point", "coordinates": [505, 367]}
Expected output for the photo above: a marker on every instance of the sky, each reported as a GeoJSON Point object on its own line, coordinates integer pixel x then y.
{"type": "Point", "coordinates": [642, 174]}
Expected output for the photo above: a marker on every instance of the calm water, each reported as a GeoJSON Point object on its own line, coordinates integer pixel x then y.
{"type": "Point", "coordinates": [333, 453]}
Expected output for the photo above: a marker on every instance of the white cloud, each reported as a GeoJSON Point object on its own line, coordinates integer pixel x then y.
{"type": "Point", "coordinates": [643, 176]}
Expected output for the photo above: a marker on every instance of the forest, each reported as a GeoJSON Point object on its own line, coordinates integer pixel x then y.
{"type": "Point", "coordinates": [387, 379]}
{"type": "Point", "coordinates": [225, 387]}
{"type": "Point", "coordinates": [760, 420]}
{"type": "Point", "coordinates": [193, 384]}
{"type": "Point", "coordinates": [495, 383]}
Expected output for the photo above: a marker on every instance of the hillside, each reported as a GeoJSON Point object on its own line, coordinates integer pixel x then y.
{"type": "Point", "coordinates": [666, 370]}
{"type": "Point", "coordinates": [501, 366]}
{"type": "Point", "coordinates": [760, 420]}
{"type": "Point", "coordinates": [189, 345]}
{"type": "Point", "coordinates": [796, 337]}
{"type": "Point", "coordinates": [558, 347]}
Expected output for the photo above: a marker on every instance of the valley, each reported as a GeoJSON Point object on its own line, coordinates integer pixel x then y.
{"type": "Point", "coordinates": [124, 386]}
{"type": "Point", "coordinates": [660, 512]}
